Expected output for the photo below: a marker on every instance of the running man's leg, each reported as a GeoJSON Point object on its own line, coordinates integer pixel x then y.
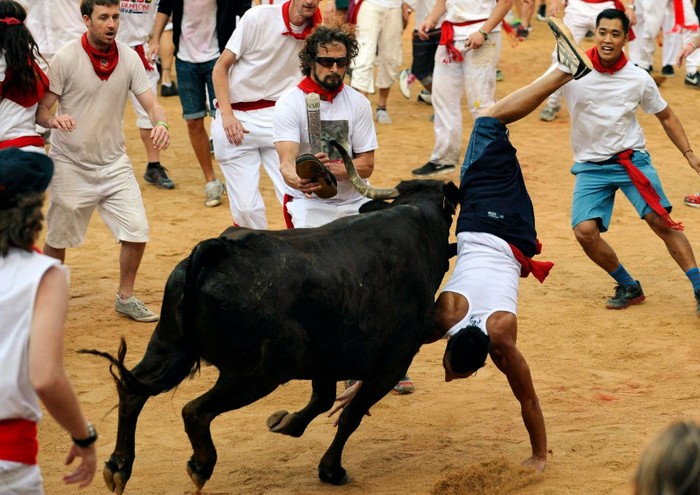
{"type": "Point", "coordinates": [573, 64]}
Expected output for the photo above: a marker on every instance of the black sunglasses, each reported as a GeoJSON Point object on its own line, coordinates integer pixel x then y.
{"type": "Point", "coordinates": [329, 61]}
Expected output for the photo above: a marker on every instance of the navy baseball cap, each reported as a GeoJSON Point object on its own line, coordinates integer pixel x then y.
{"type": "Point", "coordinates": [22, 172]}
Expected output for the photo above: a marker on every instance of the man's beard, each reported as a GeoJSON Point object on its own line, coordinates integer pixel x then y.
{"type": "Point", "coordinates": [330, 83]}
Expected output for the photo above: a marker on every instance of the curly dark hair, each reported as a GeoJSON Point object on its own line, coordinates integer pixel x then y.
{"type": "Point", "coordinates": [19, 47]}
{"type": "Point", "coordinates": [325, 35]}
{"type": "Point", "coordinates": [20, 226]}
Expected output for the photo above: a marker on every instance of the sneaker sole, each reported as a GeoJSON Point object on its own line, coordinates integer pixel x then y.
{"type": "Point", "coordinates": [403, 390]}
{"type": "Point", "coordinates": [146, 319]}
{"type": "Point", "coordinates": [563, 34]}
{"type": "Point", "coordinates": [692, 205]}
{"type": "Point", "coordinates": [160, 186]}
{"type": "Point", "coordinates": [212, 203]}
{"type": "Point", "coordinates": [437, 172]}
{"type": "Point", "coordinates": [636, 300]}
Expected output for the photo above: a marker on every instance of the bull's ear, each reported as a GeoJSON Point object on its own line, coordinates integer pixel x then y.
{"type": "Point", "coordinates": [451, 192]}
{"type": "Point", "coordinates": [374, 205]}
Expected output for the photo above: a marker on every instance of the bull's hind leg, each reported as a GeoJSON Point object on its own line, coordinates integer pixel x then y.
{"type": "Point", "coordinates": [372, 390]}
{"type": "Point", "coordinates": [198, 414]}
{"type": "Point", "coordinates": [294, 424]}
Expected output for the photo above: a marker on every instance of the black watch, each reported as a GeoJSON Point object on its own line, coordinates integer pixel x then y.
{"type": "Point", "coordinates": [86, 442]}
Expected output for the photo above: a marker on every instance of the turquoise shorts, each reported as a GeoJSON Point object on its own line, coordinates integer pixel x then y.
{"type": "Point", "coordinates": [597, 183]}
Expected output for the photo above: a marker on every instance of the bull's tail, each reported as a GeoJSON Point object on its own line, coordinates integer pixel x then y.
{"type": "Point", "coordinates": [124, 378]}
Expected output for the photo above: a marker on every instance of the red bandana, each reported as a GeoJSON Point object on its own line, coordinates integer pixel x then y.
{"type": "Point", "coordinates": [681, 22]}
{"type": "Point", "coordinates": [142, 55]}
{"type": "Point", "coordinates": [23, 97]}
{"type": "Point", "coordinates": [104, 63]}
{"type": "Point", "coordinates": [10, 21]}
{"type": "Point", "coordinates": [315, 21]}
{"type": "Point", "coordinates": [308, 85]}
{"type": "Point", "coordinates": [598, 65]}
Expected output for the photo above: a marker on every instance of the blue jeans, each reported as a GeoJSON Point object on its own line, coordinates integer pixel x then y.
{"type": "Point", "coordinates": [196, 88]}
{"type": "Point", "coordinates": [486, 131]}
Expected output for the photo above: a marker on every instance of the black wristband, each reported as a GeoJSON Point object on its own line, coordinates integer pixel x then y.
{"type": "Point", "coordinates": [86, 442]}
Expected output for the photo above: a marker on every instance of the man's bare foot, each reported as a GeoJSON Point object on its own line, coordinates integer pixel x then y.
{"type": "Point", "coordinates": [536, 463]}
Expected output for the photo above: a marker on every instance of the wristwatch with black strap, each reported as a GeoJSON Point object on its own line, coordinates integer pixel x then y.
{"type": "Point", "coordinates": [86, 442]}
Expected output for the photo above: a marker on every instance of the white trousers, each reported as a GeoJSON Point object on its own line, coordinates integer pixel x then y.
{"type": "Point", "coordinates": [379, 32]}
{"type": "Point", "coordinates": [475, 75]}
{"type": "Point", "coordinates": [241, 168]}
{"type": "Point", "coordinates": [20, 479]}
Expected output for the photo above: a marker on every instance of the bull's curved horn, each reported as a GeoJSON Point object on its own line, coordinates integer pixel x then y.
{"type": "Point", "coordinates": [357, 182]}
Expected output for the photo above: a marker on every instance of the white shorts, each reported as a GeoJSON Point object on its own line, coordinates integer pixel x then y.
{"type": "Point", "coordinates": [487, 275]}
{"type": "Point", "coordinates": [311, 212]}
{"type": "Point", "coordinates": [20, 479]}
{"type": "Point", "coordinates": [75, 192]}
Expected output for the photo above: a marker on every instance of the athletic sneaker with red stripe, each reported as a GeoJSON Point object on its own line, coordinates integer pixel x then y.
{"type": "Point", "coordinates": [626, 295]}
{"type": "Point", "coordinates": [693, 200]}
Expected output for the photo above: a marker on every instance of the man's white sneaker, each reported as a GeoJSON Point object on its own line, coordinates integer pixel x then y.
{"type": "Point", "coordinates": [213, 191]}
{"type": "Point", "coordinates": [383, 116]}
{"type": "Point", "coordinates": [568, 52]}
{"type": "Point", "coordinates": [405, 81]}
{"type": "Point", "coordinates": [134, 309]}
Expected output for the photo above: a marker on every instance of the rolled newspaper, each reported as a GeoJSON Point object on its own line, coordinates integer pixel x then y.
{"type": "Point", "coordinates": [313, 114]}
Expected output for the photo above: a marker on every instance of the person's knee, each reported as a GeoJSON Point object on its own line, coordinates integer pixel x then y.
{"type": "Point", "coordinates": [587, 233]}
{"type": "Point", "coordinates": [195, 125]}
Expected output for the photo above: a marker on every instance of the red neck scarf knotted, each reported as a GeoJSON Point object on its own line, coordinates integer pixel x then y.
{"type": "Point", "coordinates": [104, 63]}
{"type": "Point", "coordinates": [598, 65]}
{"type": "Point", "coordinates": [308, 85]}
{"type": "Point", "coordinates": [310, 25]}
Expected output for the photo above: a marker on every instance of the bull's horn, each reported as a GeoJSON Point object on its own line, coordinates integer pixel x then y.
{"type": "Point", "coordinates": [357, 182]}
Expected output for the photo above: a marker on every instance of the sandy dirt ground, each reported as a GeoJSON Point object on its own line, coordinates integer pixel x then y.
{"type": "Point", "coordinates": [608, 381]}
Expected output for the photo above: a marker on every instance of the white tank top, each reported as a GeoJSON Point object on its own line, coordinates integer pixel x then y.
{"type": "Point", "coordinates": [20, 274]}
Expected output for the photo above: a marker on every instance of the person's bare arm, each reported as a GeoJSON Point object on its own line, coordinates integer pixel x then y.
{"type": "Point", "coordinates": [160, 134]}
{"type": "Point", "coordinates": [431, 20]}
{"type": "Point", "coordinates": [158, 28]}
{"type": "Point", "coordinates": [232, 126]}
{"type": "Point", "coordinates": [687, 50]}
{"type": "Point", "coordinates": [45, 117]}
{"type": "Point", "coordinates": [674, 130]}
{"type": "Point", "coordinates": [47, 375]}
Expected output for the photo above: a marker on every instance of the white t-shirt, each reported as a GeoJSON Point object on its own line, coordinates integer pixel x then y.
{"type": "Point", "coordinates": [469, 10]}
{"type": "Point", "coordinates": [198, 41]}
{"type": "Point", "coordinates": [387, 4]}
{"type": "Point", "coordinates": [20, 275]}
{"type": "Point", "coordinates": [15, 120]}
{"type": "Point", "coordinates": [136, 21]}
{"type": "Point", "coordinates": [267, 63]}
{"type": "Point", "coordinates": [96, 105]}
{"type": "Point", "coordinates": [53, 23]}
{"type": "Point", "coordinates": [603, 111]}
{"type": "Point", "coordinates": [348, 120]}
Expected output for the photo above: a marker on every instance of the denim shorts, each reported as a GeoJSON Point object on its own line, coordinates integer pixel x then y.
{"type": "Point", "coordinates": [195, 88]}
{"type": "Point", "coordinates": [486, 131]}
{"type": "Point", "coordinates": [596, 185]}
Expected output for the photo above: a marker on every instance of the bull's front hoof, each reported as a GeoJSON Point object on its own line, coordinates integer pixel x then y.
{"type": "Point", "coordinates": [338, 478]}
{"type": "Point", "coordinates": [197, 477]}
{"type": "Point", "coordinates": [285, 423]}
{"type": "Point", "coordinates": [115, 479]}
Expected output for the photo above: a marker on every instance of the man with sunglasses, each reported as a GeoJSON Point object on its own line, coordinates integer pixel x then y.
{"type": "Point", "coordinates": [257, 66]}
{"type": "Point", "coordinates": [346, 116]}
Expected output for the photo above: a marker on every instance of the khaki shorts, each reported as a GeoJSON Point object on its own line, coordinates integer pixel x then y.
{"type": "Point", "coordinates": [75, 192]}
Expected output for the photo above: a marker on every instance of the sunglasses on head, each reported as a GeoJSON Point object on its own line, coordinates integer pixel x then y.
{"type": "Point", "coordinates": [329, 61]}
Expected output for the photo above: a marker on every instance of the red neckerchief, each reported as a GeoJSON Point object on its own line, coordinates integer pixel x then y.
{"type": "Point", "coordinates": [598, 65]}
{"type": "Point", "coordinates": [645, 188]}
{"type": "Point", "coordinates": [539, 269]}
{"type": "Point", "coordinates": [353, 10]}
{"type": "Point", "coordinates": [308, 85]}
{"type": "Point", "coordinates": [142, 55]}
{"type": "Point", "coordinates": [315, 21]}
{"type": "Point", "coordinates": [104, 63]}
{"type": "Point", "coordinates": [23, 97]}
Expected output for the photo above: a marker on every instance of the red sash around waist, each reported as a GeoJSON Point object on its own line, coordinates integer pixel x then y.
{"type": "Point", "coordinates": [18, 441]}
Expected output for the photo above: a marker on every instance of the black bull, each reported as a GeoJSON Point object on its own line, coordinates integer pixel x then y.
{"type": "Point", "coordinates": [352, 299]}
